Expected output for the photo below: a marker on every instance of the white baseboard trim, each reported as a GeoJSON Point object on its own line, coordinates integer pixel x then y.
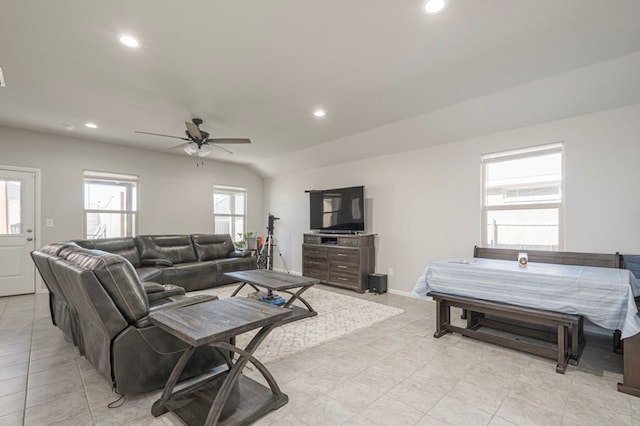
{"type": "Point", "coordinates": [400, 292]}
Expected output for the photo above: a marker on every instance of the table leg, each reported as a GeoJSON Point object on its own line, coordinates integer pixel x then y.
{"type": "Point", "coordinates": [246, 355]}
{"type": "Point", "coordinates": [158, 408]}
{"type": "Point", "coordinates": [297, 296]}
{"type": "Point", "coordinates": [240, 288]}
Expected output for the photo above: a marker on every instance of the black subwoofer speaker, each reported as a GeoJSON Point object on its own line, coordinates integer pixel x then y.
{"type": "Point", "coordinates": [377, 283]}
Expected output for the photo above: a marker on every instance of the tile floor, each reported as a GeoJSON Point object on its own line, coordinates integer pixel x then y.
{"type": "Point", "coordinates": [394, 373]}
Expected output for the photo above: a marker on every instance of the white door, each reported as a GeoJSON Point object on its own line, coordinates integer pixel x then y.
{"type": "Point", "coordinates": [17, 232]}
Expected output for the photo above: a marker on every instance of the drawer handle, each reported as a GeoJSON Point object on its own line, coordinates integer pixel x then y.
{"type": "Point", "coordinates": [342, 279]}
{"type": "Point", "coordinates": [314, 263]}
{"type": "Point", "coordinates": [342, 266]}
{"type": "Point", "coordinates": [341, 254]}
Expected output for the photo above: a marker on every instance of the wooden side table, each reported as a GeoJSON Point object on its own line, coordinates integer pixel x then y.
{"type": "Point", "coordinates": [211, 400]}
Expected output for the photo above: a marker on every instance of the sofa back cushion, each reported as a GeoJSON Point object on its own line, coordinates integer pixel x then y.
{"type": "Point", "coordinates": [212, 246]}
{"type": "Point", "coordinates": [118, 278]}
{"type": "Point", "coordinates": [124, 246]}
{"type": "Point", "coordinates": [174, 248]}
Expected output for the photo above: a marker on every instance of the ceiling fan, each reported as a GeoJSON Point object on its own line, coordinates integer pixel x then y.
{"type": "Point", "coordinates": [198, 141]}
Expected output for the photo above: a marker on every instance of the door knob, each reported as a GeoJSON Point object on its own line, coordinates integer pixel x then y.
{"type": "Point", "coordinates": [29, 239]}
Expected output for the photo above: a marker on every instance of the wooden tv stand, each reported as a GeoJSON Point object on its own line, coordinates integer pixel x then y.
{"type": "Point", "coordinates": [340, 260]}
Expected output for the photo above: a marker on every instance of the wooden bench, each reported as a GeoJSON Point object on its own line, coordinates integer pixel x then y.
{"type": "Point", "coordinates": [565, 330]}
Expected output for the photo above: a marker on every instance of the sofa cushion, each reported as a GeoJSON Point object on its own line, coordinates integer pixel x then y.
{"type": "Point", "coordinates": [192, 276]}
{"type": "Point", "coordinates": [175, 248]}
{"type": "Point", "coordinates": [124, 246]}
{"type": "Point", "coordinates": [212, 246]}
{"type": "Point", "coordinates": [118, 278]}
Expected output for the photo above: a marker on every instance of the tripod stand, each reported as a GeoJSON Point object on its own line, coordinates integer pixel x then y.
{"type": "Point", "coordinates": [265, 256]}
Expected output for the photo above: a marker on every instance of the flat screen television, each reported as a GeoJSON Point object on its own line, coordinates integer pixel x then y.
{"type": "Point", "coordinates": [338, 210]}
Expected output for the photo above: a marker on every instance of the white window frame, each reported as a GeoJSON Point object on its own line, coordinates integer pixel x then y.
{"type": "Point", "coordinates": [533, 151]}
{"type": "Point", "coordinates": [116, 179]}
{"type": "Point", "coordinates": [224, 189]}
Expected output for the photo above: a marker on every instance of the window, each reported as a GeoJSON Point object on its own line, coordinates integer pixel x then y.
{"type": "Point", "coordinates": [110, 205]}
{"type": "Point", "coordinates": [229, 211]}
{"type": "Point", "coordinates": [10, 206]}
{"type": "Point", "coordinates": [522, 198]}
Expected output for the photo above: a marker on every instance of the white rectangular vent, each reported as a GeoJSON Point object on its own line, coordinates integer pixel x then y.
{"type": "Point", "coordinates": [1, 79]}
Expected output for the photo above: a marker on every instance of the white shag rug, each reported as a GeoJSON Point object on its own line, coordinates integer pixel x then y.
{"type": "Point", "coordinates": [338, 315]}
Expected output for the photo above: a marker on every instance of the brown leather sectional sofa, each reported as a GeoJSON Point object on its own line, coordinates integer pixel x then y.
{"type": "Point", "coordinates": [101, 292]}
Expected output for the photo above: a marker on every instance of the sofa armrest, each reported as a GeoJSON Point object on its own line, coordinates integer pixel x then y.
{"type": "Point", "coordinates": [156, 262]}
{"type": "Point", "coordinates": [178, 302]}
{"type": "Point", "coordinates": [237, 253]}
{"type": "Point", "coordinates": [150, 287]}
{"type": "Point", "coordinates": [169, 290]}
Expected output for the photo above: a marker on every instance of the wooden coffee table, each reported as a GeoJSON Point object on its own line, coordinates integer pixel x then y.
{"type": "Point", "coordinates": [227, 397]}
{"type": "Point", "coordinates": [279, 282]}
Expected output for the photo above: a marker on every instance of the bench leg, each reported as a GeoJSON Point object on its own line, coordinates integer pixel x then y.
{"type": "Point", "coordinates": [577, 341]}
{"type": "Point", "coordinates": [563, 349]}
{"type": "Point", "coordinates": [443, 317]}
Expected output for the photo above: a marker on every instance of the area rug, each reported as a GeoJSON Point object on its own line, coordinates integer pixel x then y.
{"type": "Point", "coordinates": [338, 315]}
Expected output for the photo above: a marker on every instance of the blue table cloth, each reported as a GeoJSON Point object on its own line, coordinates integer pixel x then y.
{"type": "Point", "coordinates": [605, 296]}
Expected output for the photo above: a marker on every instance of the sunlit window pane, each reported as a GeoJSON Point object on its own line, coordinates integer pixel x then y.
{"type": "Point", "coordinates": [110, 202]}
{"type": "Point", "coordinates": [229, 206]}
{"type": "Point", "coordinates": [522, 198]}
{"type": "Point", "coordinates": [10, 207]}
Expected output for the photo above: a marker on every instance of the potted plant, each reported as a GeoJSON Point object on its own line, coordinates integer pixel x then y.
{"type": "Point", "coordinates": [249, 241]}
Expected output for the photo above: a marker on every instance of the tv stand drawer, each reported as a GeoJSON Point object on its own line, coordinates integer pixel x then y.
{"type": "Point", "coordinates": [345, 260]}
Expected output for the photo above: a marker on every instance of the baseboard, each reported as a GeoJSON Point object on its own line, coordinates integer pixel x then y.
{"type": "Point", "coordinates": [400, 292]}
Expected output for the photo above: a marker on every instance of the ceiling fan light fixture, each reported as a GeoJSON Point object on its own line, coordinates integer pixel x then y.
{"type": "Point", "coordinates": [204, 151]}
{"type": "Point", "coordinates": [129, 41]}
{"type": "Point", "coordinates": [190, 149]}
{"type": "Point", "coordinates": [433, 7]}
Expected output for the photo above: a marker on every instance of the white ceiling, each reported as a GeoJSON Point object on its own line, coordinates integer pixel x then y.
{"type": "Point", "coordinates": [258, 69]}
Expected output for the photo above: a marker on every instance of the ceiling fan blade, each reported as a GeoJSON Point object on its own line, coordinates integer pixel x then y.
{"type": "Point", "coordinates": [193, 130]}
{"type": "Point", "coordinates": [222, 148]}
{"type": "Point", "coordinates": [228, 140]}
{"type": "Point", "coordinates": [158, 134]}
{"type": "Point", "coordinates": [182, 145]}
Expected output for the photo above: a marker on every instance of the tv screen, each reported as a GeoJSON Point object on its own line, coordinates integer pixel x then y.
{"type": "Point", "coordinates": [337, 210]}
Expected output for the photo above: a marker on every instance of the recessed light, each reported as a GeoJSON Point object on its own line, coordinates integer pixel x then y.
{"type": "Point", "coordinates": [90, 125]}
{"type": "Point", "coordinates": [319, 113]}
{"type": "Point", "coordinates": [129, 41]}
{"type": "Point", "coordinates": [433, 7]}
{"type": "Point", "coordinates": [68, 127]}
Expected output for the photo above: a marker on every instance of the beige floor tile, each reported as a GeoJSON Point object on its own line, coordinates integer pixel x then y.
{"type": "Point", "coordinates": [12, 403]}
{"type": "Point", "coordinates": [389, 411]}
{"type": "Point", "coordinates": [13, 419]}
{"type": "Point", "coordinates": [323, 411]}
{"type": "Point", "coordinates": [10, 360]}
{"type": "Point", "coordinates": [477, 396]}
{"type": "Point", "coordinates": [417, 394]}
{"type": "Point", "coordinates": [14, 385]}
{"type": "Point", "coordinates": [13, 371]}
{"type": "Point", "coordinates": [454, 411]}
{"type": "Point", "coordinates": [524, 413]}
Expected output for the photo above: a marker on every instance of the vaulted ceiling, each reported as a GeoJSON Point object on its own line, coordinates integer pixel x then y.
{"type": "Point", "coordinates": [258, 69]}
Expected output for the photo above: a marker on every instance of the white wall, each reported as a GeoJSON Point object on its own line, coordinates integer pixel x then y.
{"type": "Point", "coordinates": [175, 196]}
{"type": "Point", "coordinates": [426, 203]}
